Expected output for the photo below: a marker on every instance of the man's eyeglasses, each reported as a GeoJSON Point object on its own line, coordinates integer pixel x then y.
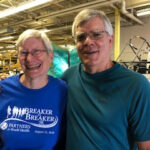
{"type": "Point", "coordinates": [94, 35]}
{"type": "Point", "coordinates": [34, 53]}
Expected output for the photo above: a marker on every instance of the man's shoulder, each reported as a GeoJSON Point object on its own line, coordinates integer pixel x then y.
{"type": "Point", "coordinates": [136, 76]}
{"type": "Point", "coordinates": [73, 68]}
{"type": "Point", "coordinates": [70, 72]}
{"type": "Point", "coordinates": [133, 77]}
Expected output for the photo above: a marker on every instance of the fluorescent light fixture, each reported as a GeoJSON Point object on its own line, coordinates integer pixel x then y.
{"type": "Point", "coordinates": [22, 7]}
{"type": "Point", "coordinates": [143, 12]}
{"type": "Point", "coordinates": [6, 38]}
{"type": "Point", "coordinates": [4, 5]}
{"type": "Point", "coordinates": [10, 46]}
{"type": "Point", "coordinates": [45, 30]}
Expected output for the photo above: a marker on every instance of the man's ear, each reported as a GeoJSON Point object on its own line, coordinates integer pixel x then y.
{"type": "Point", "coordinates": [111, 41]}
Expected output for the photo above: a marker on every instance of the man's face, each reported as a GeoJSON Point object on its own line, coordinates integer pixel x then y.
{"type": "Point", "coordinates": [93, 43]}
{"type": "Point", "coordinates": [34, 59]}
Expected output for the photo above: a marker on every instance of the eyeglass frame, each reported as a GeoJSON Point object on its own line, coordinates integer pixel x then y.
{"type": "Point", "coordinates": [85, 34]}
{"type": "Point", "coordinates": [24, 53]}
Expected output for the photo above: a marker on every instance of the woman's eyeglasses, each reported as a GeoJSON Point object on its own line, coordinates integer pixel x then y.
{"type": "Point", "coordinates": [34, 53]}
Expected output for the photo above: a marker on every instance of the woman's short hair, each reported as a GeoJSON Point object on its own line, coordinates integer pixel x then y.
{"type": "Point", "coordinates": [35, 34]}
{"type": "Point", "coordinates": [87, 14]}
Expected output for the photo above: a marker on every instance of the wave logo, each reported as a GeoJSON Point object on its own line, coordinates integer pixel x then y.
{"type": "Point", "coordinates": [41, 118]}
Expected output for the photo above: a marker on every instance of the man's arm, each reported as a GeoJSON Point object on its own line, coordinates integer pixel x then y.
{"type": "Point", "coordinates": [143, 145]}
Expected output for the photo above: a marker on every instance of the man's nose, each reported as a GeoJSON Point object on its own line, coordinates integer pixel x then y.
{"type": "Point", "coordinates": [29, 57]}
{"type": "Point", "coordinates": [88, 39]}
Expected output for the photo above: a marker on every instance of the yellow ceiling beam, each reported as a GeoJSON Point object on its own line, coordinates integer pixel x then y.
{"type": "Point", "coordinates": [117, 34]}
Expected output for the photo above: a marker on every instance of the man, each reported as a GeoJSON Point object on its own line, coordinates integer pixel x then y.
{"type": "Point", "coordinates": [108, 105]}
{"type": "Point", "coordinates": [32, 104]}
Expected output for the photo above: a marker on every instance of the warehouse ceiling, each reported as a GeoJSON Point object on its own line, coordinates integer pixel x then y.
{"type": "Point", "coordinates": [57, 16]}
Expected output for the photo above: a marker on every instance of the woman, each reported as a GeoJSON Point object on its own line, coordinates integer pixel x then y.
{"type": "Point", "coordinates": [32, 104]}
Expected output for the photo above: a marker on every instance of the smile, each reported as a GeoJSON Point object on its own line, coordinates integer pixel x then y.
{"type": "Point", "coordinates": [33, 67]}
{"type": "Point", "coordinates": [90, 52]}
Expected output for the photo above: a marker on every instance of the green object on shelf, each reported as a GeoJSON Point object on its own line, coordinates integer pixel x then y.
{"type": "Point", "coordinates": [74, 59]}
{"type": "Point", "coordinates": [62, 60]}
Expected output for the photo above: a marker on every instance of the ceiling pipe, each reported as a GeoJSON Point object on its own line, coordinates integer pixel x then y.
{"type": "Point", "coordinates": [74, 9]}
{"type": "Point", "coordinates": [129, 15]}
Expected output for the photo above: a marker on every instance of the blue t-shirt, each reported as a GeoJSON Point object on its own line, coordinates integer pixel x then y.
{"type": "Point", "coordinates": [109, 110]}
{"type": "Point", "coordinates": [31, 119]}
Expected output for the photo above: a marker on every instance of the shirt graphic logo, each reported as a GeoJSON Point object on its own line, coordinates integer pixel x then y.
{"type": "Point", "coordinates": [40, 118]}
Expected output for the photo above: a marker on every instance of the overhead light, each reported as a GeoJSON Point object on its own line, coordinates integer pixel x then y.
{"type": "Point", "coordinates": [22, 7]}
{"type": "Point", "coordinates": [10, 46]}
{"type": "Point", "coordinates": [4, 5]}
{"type": "Point", "coordinates": [6, 38]}
{"type": "Point", "coordinates": [45, 30]}
{"type": "Point", "coordinates": [143, 12]}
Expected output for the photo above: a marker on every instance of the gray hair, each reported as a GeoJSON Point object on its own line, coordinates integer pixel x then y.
{"type": "Point", "coordinates": [87, 14]}
{"type": "Point", "coordinates": [35, 34]}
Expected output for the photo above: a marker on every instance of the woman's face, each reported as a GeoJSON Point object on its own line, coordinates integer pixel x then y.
{"type": "Point", "coordinates": [34, 58]}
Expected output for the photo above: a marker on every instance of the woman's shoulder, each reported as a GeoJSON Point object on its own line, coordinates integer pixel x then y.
{"type": "Point", "coordinates": [58, 81]}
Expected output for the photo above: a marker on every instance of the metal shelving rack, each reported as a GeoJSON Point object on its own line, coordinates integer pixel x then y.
{"type": "Point", "coordinates": [139, 47]}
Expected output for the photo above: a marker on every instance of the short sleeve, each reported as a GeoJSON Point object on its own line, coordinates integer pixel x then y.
{"type": "Point", "coordinates": [139, 115]}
